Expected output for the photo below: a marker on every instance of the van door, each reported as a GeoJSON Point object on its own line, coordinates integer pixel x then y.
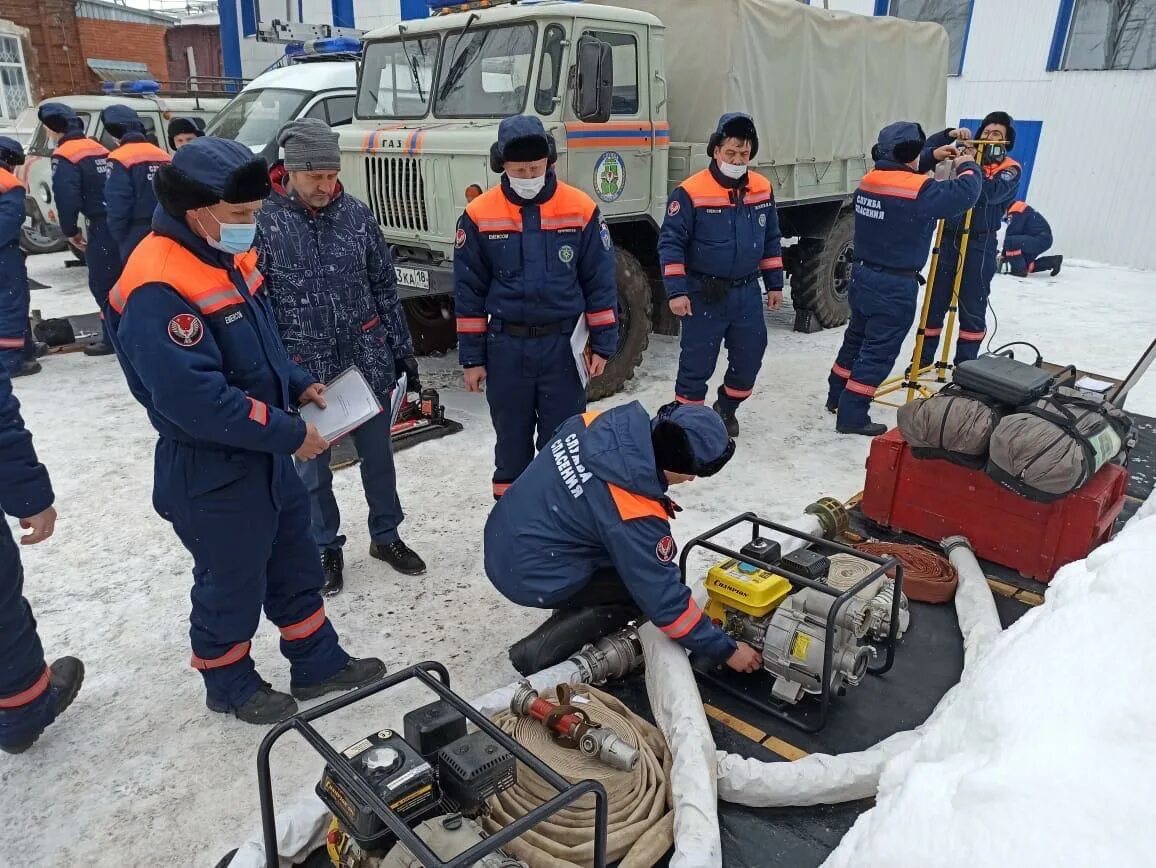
{"type": "Point", "coordinates": [612, 161]}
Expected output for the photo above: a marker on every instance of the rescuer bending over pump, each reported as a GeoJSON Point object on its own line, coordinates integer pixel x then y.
{"type": "Point", "coordinates": [586, 530]}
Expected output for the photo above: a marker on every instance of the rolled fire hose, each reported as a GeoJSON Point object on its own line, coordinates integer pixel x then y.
{"type": "Point", "coordinates": [927, 577]}
{"type": "Point", "coordinates": [641, 817]}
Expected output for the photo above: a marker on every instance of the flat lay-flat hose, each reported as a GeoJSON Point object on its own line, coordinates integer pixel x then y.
{"type": "Point", "coordinates": [641, 813]}
{"type": "Point", "coordinates": [927, 576]}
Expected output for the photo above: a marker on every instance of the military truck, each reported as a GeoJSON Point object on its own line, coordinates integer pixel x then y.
{"type": "Point", "coordinates": [631, 93]}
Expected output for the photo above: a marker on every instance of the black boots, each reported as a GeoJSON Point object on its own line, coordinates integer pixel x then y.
{"type": "Point", "coordinates": [867, 429]}
{"type": "Point", "coordinates": [1053, 263]}
{"type": "Point", "coordinates": [333, 562]}
{"type": "Point", "coordinates": [264, 707]}
{"type": "Point", "coordinates": [100, 348]}
{"type": "Point", "coordinates": [357, 673]}
{"type": "Point", "coordinates": [66, 675]}
{"type": "Point", "coordinates": [565, 632]}
{"type": "Point", "coordinates": [27, 369]}
{"type": "Point", "coordinates": [728, 417]}
{"type": "Point", "coordinates": [399, 556]}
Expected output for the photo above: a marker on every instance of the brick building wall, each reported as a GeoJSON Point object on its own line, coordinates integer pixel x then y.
{"type": "Point", "coordinates": [205, 41]}
{"type": "Point", "coordinates": [53, 53]}
{"type": "Point", "coordinates": [101, 39]}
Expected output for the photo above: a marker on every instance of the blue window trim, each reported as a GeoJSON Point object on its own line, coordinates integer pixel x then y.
{"type": "Point", "coordinates": [230, 39]}
{"type": "Point", "coordinates": [883, 8]}
{"type": "Point", "coordinates": [1060, 36]}
{"type": "Point", "coordinates": [248, 18]}
{"type": "Point", "coordinates": [342, 13]}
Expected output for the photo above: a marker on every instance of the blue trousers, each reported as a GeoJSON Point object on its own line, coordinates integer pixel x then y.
{"type": "Point", "coordinates": [532, 385]}
{"type": "Point", "coordinates": [27, 703]}
{"type": "Point", "coordinates": [882, 311]}
{"type": "Point", "coordinates": [244, 517]}
{"type": "Point", "coordinates": [378, 478]}
{"type": "Point", "coordinates": [16, 344]}
{"type": "Point", "coordinates": [974, 289]}
{"type": "Point", "coordinates": [736, 321]}
{"type": "Point", "coordinates": [1021, 251]}
{"type": "Point", "coordinates": [104, 263]}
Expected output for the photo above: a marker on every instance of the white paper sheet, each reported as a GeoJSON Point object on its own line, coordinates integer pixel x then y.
{"type": "Point", "coordinates": [578, 341]}
{"type": "Point", "coordinates": [1091, 384]}
{"type": "Point", "coordinates": [397, 399]}
{"type": "Point", "coordinates": [349, 404]}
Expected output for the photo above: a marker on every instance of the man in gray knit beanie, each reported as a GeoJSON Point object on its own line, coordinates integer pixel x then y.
{"type": "Point", "coordinates": [312, 159]}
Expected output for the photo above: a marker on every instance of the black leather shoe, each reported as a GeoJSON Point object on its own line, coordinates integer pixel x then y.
{"type": "Point", "coordinates": [40, 348]}
{"type": "Point", "coordinates": [832, 410]}
{"type": "Point", "coordinates": [399, 556]}
{"type": "Point", "coordinates": [732, 424]}
{"type": "Point", "coordinates": [28, 369]}
{"type": "Point", "coordinates": [870, 429]}
{"type": "Point", "coordinates": [66, 675]}
{"type": "Point", "coordinates": [264, 707]}
{"type": "Point", "coordinates": [100, 348]}
{"type": "Point", "coordinates": [357, 673]}
{"type": "Point", "coordinates": [333, 562]}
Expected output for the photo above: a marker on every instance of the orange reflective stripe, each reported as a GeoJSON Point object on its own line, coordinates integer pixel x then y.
{"type": "Point", "coordinates": [685, 622]}
{"type": "Point", "coordinates": [861, 388]}
{"type": "Point", "coordinates": [77, 149]}
{"type": "Point", "coordinates": [304, 628]}
{"type": "Point", "coordinates": [11, 343]}
{"type": "Point", "coordinates": [1006, 163]}
{"type": "Point", "coordinates": [601, 317]}
{"type": "Point", "coordinates": [770, 263]}
{"type": "Point", "coordinates": [590, 415]}
{"type": "Point", "coordinates": [1017, 207]}
{"type": "Point", "coordinates": [258, 411]}
{"type": "Point", "coordinates": [493, 212]}
{"type": "Point", "coordinates": [158, 259]}
{"type": "Point", "coordinates": [971, 336]}
{"type": "Point", "coordinates": [234, 655]}
{"type": "Point", "coordinates": [26, 696]}
{"type": "Point", "coordinates": [683, 400]}
{"type": "Point", "coordinates": [8, 181]}
{"type": "Point", "coordinates": [246, 263]}
{"type": "Point", "coordinates": [933, 333]}
{"type": "Point", "coordinates": [841, 372]}
{"type": "Point", "coordinates": [632, 506]}
{"type": "Point", "coordinates": [705, 192]}
{"type": "Point", "coordinates": [472, 325]}
{"type": "Point", "coordinates": [568, 208]}
{"type": "Point", "coordinates": [737, 393]}
{"type": "Point", "coordinates": [675, 269]}
{"type": "Point", "coordinates": [893, 182]}
{"type": "Point", "coordinates": [135, 153]}
{"type": "Point", "coordinates": [501, 488]}
{"type": "Point", "coordinates": [1013, 253]}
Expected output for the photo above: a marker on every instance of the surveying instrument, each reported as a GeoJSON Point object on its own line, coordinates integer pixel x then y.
{"type": "Point", "coordinates": [918, 379]}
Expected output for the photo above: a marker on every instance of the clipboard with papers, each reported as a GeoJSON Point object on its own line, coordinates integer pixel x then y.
{"type": "Point", "coordinates": [349, 404]}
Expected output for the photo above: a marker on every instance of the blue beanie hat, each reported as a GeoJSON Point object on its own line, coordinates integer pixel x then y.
{"type": "Point", "coordinates": [60, 118]}
{"type": "Point", "coordinates": [120, 120]}
{"type": "Point", "coordinates": [691, 439]}
{"type": "Point", "coordinates": [209, 170]}
{"type": "Point", "coordinates": [11, 153]}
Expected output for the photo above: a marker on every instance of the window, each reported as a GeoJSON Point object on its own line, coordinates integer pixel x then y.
{"type": "Point", "coordinates": [486, 72]}
{"type": "Point", "coordinates": [40, 146]}
{"type": "Point", "coordinates": [255, 116]}
{"type": "Point", "coordinates": [954, 15]}
{"type": "Point", "coordinates": [14, 94]}
{"type": "Point", "coordinates": [335, 111]}
{"type": "Point", "coordinates": [553, 49]}
{"type": "Point", "coordinates": [150, 131]}
{"type": "Point", "coordinates": [1105, 34]}
{"type": "Point", "coordinates": [397, 77]}
{"type": "Point", "coordinates": [624, 49]}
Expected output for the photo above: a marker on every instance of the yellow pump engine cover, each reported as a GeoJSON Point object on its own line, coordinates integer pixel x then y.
{"type": "Point", "coordinates": [732, 584]}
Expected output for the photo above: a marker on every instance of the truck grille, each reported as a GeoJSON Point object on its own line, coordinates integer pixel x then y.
{"type": "Point", "coordinates": [396, 187]}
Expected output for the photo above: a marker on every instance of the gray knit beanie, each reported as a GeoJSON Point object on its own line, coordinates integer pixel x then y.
{"type": "Point", "coordinates": [310, 146]}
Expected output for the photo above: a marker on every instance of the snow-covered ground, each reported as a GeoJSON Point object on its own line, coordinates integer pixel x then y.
{"type": "Point", "coordinates": [139, 773]}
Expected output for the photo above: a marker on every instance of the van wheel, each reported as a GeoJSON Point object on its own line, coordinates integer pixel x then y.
{"type": "Point", "coordinates": [431, 324]}
{"type": "Point", "coordinates": [42, 238]}
{"type": "Point", "coordinates": [634, 311]}
{"type": "Point", "coordinates": [821, 276]}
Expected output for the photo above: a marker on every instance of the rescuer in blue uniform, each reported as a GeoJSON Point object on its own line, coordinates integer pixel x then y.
{"type": "Point", "coordinates": [1001, 181]}
{"type": "Point", "coordinates": [1028, 235]}
{"type": "Point", "coordinates": [200, 349]}
{"type": "Point", "coordinates": [895, 212]}
{"type": "Point", "coordinates": [719, 240]}
{"type": "Point", "coordinates": [586, 531]}
{"type": "Point", "coordinates": [181, 131]}
{"type": "Point", "coordinates": [128, 194]}
{"type": "Point", "coordinates": [32, 694]}
{"type": "Point", "coordinates": [79, 171]}
{"type": "Point", "coordinates": [533, 257]}
{"type": "Point", "coordinates": [17, 350]}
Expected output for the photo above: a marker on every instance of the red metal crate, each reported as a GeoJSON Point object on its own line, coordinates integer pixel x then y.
{"type": "Point", "coordinates": [934, 499]}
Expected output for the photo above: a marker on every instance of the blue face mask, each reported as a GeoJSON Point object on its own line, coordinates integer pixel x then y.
{"type": "Point", "coordinates": [235, 237]}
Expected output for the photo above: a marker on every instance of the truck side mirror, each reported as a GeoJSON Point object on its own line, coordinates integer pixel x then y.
{"type": "Point", "coordinates": [591, 81]}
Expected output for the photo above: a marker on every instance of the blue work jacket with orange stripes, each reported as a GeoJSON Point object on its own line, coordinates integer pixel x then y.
{"type": "Point", "coordinates": [79, 171]}
{"type": "Point", "coordinates": [594, 498]}
{"type": "Point", "coordinates": [714, 229]}
{"type": "Point", "coordinates": [128, 195]}
{"type": "Point", "coordinates": [1001, 184]}
{"type": "Point", "coordinates": [199, 346]}
{"type": "Point", "coordinates": [896, 208]}
{"type": "Point", "coordinates": [539, 262]}
{"type": "Point", "coordinates": [1023, 219]}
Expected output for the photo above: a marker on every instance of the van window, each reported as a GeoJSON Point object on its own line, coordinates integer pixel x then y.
{"type": "Point", "coordinates": [335, 111]}
{"type": "Point", "coordinates": [150, 130]}
{"type": "Point", "coordinates": [486, 73]}
{"type": "Point", "coordinates": [255, 116]}
{"type": "Point", "coordinates": [553, 46]}
{"type": "Point", "coordinates": [624, 49]}
{"type": "Point", "coordinates": [40, 146]}
{"type": "Point", "coordinates": [397, 78]}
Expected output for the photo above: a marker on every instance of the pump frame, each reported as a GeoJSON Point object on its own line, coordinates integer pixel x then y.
{"type": "Point", "coordinates": [784, 711]}
{"type": "Point", "coordinates": [343, 770]}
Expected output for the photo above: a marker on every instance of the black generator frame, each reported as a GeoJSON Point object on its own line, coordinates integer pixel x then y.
{"type": "Point", "coordinates": [884, 565]}
{"type": "Point", "coordinates": [343, 770]}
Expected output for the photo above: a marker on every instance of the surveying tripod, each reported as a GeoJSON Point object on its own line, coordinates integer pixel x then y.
{"type": "Point", "coordinates": [918, 378]}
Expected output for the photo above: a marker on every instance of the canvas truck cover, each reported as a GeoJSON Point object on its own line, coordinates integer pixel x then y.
{"type": "Point", "coordinates": [820, 85]}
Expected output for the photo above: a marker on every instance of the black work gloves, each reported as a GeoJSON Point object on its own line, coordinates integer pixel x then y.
{"type": "Point", "coordinates": [408, 366]}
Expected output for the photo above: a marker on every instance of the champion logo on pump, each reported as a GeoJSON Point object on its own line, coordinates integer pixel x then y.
{"type": "Point", "coordinates": [674, 208]}
{"type": "Point", "coordinates": [666, 549]}
{"type": "Point", "coordinates": [186, 330]}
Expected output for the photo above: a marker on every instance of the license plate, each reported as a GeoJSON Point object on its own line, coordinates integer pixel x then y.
{"type": "Point", "coordinates": [418, 278]}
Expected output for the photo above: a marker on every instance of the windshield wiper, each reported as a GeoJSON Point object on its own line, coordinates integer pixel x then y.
{"type": "Point", "coordinates": [412, 61]}
{"type": "Point", "coordinates": [461, 63]}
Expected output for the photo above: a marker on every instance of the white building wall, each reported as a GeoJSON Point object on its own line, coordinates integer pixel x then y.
{"type": "Point", "coordinates": [1091, 178]}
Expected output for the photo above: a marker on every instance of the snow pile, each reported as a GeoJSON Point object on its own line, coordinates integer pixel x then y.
{"type": "Point", "coordinates": [1044, 755]}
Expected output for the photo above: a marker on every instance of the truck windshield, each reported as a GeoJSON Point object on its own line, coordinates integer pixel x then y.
{"type": "Point", "coordinates": [485, 73]}
{"type": "Point", "coordinates": [397, 78]}
{"type": "Point", "coordinates": [255, 116]}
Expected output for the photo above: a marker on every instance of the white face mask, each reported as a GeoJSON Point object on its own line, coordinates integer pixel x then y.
{"type": "Point", "coordinates": [731, 170]}
{"type": "Point", "coordinates": [527, 188]}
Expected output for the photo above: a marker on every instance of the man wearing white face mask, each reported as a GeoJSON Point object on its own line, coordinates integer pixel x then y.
{"type": "Point", "coordinates": [532, 257]}
{"type": "Point", "coordinates": [720, 239]}
{"type": "Point", "coordinates": [200, 349]}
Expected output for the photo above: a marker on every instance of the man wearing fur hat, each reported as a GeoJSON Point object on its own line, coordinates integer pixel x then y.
{"type": "Point", "coordinates": [532, 257]}
{"type": "Point", "coordinates": [330, 279]}
{"type": "Point", "coordinates": [128, 193]}
{"type": "Point", "coordinates": [199, 347]}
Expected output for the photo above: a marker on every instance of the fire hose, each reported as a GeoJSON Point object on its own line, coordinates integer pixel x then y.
{"type": "Point", "coordinates": [641, 809]}
{"type": "Point", "coordinates": [927, 577]}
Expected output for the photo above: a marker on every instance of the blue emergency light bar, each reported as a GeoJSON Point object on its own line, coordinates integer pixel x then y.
{"type": "Point", "coordinates": [140, 85]}
{"type": "Point", "coordinates": [321, 47]}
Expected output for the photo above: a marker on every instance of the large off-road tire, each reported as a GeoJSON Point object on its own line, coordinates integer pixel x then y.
{"type": "Point", "coordinates": [634, 323]}
{"type": "Point", "coordinates": [822, 275]}
{"type": "Point", "coordinates": [431, 324]}
{"type": "Point", "coordinates": [44, 238]}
